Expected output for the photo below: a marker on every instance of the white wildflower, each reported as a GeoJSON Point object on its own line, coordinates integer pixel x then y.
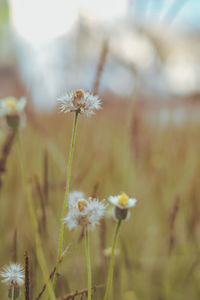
{"type": "Point", "coordinates": [74, 196]}
{"type": "Point", "coordinates": [79, 101]}
{"type": "Point", "coordinates": [122, 201]}
{"type": "Point", "coordinates": [13, 274]}
{"type": "Point", "coordinates": [85, 213]}
{"type": "Point", "coordinates": [12, 106]}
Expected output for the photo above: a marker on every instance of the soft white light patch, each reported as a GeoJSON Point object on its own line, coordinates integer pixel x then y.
{"type": "Point", "coordinates": [104, 10]}
{"type": "Point", "coordinates": [181, 74]}
{"type": "Point", "coordinates": [40, 21]}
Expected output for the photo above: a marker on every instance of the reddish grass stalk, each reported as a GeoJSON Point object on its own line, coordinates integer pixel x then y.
{"type": "Point", "coordinates": [81, 293]}
{"type": "Point", "coordinates": [172, 219]}
{"type": "Point", "coordinates": [45, 177]}
{"type": "Point", "coordinates": [6, 148]}
{"type": "Point", "coordinates": [100, 67]}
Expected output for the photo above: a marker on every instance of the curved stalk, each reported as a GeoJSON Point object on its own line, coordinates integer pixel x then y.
{"type": "Point", "coordinates": [60, 245]}
{"type": "Point", "coordinates": [87, 251]}
{"type": "Point", "coordinates": [111, 267]}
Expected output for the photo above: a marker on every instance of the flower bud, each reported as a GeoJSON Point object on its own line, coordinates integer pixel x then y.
{"type": "Point", "coordinates": [120, 214]}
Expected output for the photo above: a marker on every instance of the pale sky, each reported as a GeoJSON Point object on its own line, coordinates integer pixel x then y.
{"type": "Point", "coordinates": [183, 13]}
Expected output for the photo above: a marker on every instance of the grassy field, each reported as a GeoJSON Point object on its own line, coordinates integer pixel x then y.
{"type": "Point", "coordinates": [120, 149]}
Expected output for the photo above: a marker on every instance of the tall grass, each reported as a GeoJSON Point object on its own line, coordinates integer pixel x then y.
{"type": "Point", "coordinates": [121, 149]}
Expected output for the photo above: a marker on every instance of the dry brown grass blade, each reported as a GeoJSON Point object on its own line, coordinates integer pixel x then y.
{"type": "Point", "coordinates": [6, 148]}
{"type": "Point", "coordinates": [14, 247]}
{"type": "Point", "coordinates": [51, 275]}
{"type": "Point", "coordinates": [100, 67]}
{"type": "Point", "coordinates": [46, 177]}
{"type": "Point", "coordinates": [27, 275]}
{"type": "Point", "coordinates": [83, 292]}
{"type": "Point", "coordinates": [172, 219]}
{"type": "Point", "coordinates": [42, 201]}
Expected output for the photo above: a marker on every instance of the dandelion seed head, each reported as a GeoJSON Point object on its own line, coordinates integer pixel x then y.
{"type": "Point", "coordinates": [13, 274]}
{"type": "Point", "coordinates": [83, 102]}
{"type": "Point", "coordinates": [85, 212]}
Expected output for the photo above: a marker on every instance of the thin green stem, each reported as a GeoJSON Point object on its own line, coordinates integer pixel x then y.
{"type": "Point", "coordinates": [87, 251]}
{"type": "Point", "coordinates": [13, 292]}
{"type": "Point", "coordinates": [60, 244]}
{"type": "Point", "coordinates": [39, 251]}
{"type": "Point", "coordinates": [111, 267]}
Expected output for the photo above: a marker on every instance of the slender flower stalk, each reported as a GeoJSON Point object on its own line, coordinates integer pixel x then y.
{"type": "Point", "coordinates": [13, 292]}
{"type": "Point", "coordinates": [111, 266]}
{"type": "Point", "coordinates": [60, 245]}
{"type": "Point", "coordinates": [39, 251]}
{"type": "Point", "coordinates": [121, 204]}
{"type": "Point", "coordinates": [85, 213]}
{"type": "Point", "coordinates": [87, 251]}
{"type": "Point", "coordinates": [78, 102]}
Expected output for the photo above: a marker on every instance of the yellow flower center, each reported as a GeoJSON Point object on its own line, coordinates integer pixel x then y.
{"type": "Point", "coordinates": [78, 95]}
{"type": "Point", "coordinates": [81, 205]}
{"type": "Point", "coordinates": [11, 103]}
{"type": "Point", "coordinates": [123, 200]}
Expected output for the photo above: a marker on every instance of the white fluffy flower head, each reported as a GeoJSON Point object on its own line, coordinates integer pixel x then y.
{"type": "Point", "coordinates": [11, 106]}
{"type": "Point", "coordinates": [74, 197]}
{"type": "Point", "coordinates": [122, 201]}
{"type": "Point", "coordinates": [79, 101]}
{"type": "Point", "coordinates": [13, 274]}
{"type": "Point", "coordinates": [85, 213]}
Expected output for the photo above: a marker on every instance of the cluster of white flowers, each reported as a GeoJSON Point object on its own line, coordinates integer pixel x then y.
{"type": "Point", "coordinates": [85, 213]}
{"type": "Point", "coordinates": [12, 106]}
{"type": "Point", "coordinates": [79, 101]}
{"type": "Point", "coordinates": [13, 274]}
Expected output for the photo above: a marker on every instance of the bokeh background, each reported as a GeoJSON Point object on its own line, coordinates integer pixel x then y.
{"type": "Point", "coordinates": [142, 57]}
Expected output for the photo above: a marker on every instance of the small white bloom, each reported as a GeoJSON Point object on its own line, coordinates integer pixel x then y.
{"type": "Point", "coordinates": [122, 201]}
{"type": "Point", "coordinates": [74, 197]}
{"type": "Point", "coordinates": [12, 106]}
{"type": "Point", "coordinates": [79, 101]}
{"type": "Point", "coordinates": [85, 213]}
{"type": "Point", "coordinates": [108, 251]}
{"type": "Point", "coordinates": [13, 274]}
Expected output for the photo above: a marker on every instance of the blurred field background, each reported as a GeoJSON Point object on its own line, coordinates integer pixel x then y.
{"type": "Point", "coordinates": [144, 141]}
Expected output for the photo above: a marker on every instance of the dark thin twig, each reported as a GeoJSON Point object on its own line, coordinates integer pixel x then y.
{"type": "Point", "coordinates": [172, 219]}
{"type": "Point", "coordinates": [50, 276]}
{"type": "Point", "coordinates": [83, 292]}
{"type": "Point", "coordinates": [27, 276]}
{"type": "Point", "coordinates": [6, 148]}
